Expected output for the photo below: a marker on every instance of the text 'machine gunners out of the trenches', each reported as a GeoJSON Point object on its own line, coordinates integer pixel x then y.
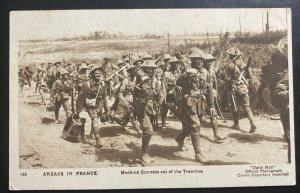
{"type": "Point", "coordinates": [145, 88]}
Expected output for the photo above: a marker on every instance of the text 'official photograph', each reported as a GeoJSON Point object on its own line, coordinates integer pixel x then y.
{"type": "Point", "coordinates": [152, 89]}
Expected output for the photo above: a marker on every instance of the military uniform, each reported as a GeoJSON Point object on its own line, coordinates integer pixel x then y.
{"type": "Point", "coordinates": [197, 98]}
{"type": "Point", "coordinates": [169, 85]}
{"type": "Point", "coordinates": [39, 72]}
{"type": "Point", "coordinates": [51, 75]}
{"type": "Point", "coordinates": [92, 97]}
{"type": "Point", "coordinates": [124, 99]}
{"type": "Point", "coordinates": [108, 69]}
{"type": "Point", "coordinates": [28, 75]}
{"type": "Point", "coordinates": [195, 89]}
{"type": "Point", "coordinates": [21, 78]}
{"type": "Point", "coordinates": [213, 81]}
{"type": "Point", "coordinates": [280, 99]}
{"type": "Point", "coordinates": [42, 85]}
{"type": "Point", "coordinates": [280, 92]}
{"type": "Point", "coordinates": [147, 98]}
{"type": "Point", "coordinates": [239, 89]}
{"type": "Point", "coordinates": [60, 94]}
{"type": "Point", "coordinates": [81, 76]}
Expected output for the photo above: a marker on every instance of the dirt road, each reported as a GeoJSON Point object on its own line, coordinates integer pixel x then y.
{"type": "Point", "coordinates": [42, 147]}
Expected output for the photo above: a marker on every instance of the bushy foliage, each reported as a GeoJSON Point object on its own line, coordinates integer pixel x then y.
{"type": "Point", "coordinates": [272, 37]}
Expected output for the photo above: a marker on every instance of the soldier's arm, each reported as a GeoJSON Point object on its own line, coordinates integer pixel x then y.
{"type": "Point", "coordinates": [54, 88]}
{"type": "Point", "coordinates": [105, 103]}
{"type": "Point", "coordinates": [81, 97]}
{"type": "Point", "coordinates": [159, 92]}
{"type": "Point", "coordinates": [122, 88]}
{"type": "Point", "coordinates": [210, 94]}
{"type": "Point", "coordinates": [181, 80]}
{"type": "Point", "coordinates": [282, 90]}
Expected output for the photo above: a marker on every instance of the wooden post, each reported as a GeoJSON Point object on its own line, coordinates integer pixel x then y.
{"type": "Point", "coordinates": [240, 26]}
{"type": "Point", "coordinates": [262, 22]}
{"type": "Point", "coordinates": [267, 24]}
{"type": "Point", "coordinates": [169, 43]}
{"type": "Point", "coordinates": [286, 20]}
{"type": "Point", "coordinates": [207, 36]}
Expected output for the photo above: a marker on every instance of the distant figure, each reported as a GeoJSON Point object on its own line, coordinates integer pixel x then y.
{"type": "Point", "coordinates": [60, 94]}
{"type": "Point", "coordinates": [28, 75]}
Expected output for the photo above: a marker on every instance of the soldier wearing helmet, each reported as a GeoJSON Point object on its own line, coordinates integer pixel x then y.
{"type": "Point", "coordinates": [124, 99]}
{"type": "Point", "coordinates": [146, 57]}
{"type": "Point", "coordinates": [108, 69]}
{"type": "Point", "coordinates": [197, 92]}
{"type": "Point", "coordinates": [166, 65]}
{"type": "Point", "coordinates": [209, 66]}
{"type": "Point", "coordinates": [280, 93]}
{"type": "Point", "coordinates": [239, 87]}
{"type": "Point", "coordinates": [82, 76]}
{"type": "Point", "coordinates": [147, 97]}
{"type": "Point", "coordinates": [92, 97]}
{"type": "Point", "coordinates": [60, 94]}
{"type": "Point", "coordinates": [169, 84]}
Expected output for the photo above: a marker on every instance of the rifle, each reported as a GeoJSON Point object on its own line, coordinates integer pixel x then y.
{"type": "Point", "coordinates": [72, 98]}
{"type": "Point", "coordinates": [244, 69]}
{"type": "Point", "coordinates": [233, 99]}
{"type": "Point", "coordinates": [115, 73]}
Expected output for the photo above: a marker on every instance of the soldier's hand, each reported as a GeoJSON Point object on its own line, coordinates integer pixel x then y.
{"type": "Point", "coordinates": [179, 88]}
{"type": "Point", "coordinates": [212, 112]}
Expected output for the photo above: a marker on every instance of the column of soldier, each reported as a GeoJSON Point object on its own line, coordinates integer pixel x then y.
{"type": "Point", "coordinates": [145, 88]}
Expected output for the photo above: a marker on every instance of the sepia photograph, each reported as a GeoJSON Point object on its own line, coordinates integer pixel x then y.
{"type": "Point", "coordinates": [151, 93]}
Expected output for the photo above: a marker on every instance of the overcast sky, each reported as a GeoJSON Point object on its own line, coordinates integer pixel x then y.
{"type": "Point", "coordinates": [57, 24]}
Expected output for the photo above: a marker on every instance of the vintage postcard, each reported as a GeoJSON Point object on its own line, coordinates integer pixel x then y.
{"type": "Point", "coordinates": [151, 98]}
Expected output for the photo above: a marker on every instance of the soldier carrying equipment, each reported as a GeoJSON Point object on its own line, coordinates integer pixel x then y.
{"type": "Point", "coordinates": [92, 97]}
{"type": "Point", "coordinates": [234, 73]}
{"type": "Point", "coordinates": [147, 98]}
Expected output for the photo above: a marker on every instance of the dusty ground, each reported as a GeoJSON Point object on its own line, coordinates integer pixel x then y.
{"type": "Point", "coordinates": [42, 147]}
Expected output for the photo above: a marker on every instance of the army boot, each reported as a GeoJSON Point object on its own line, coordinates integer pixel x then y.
{"type": "Point", "coordinates": [98, 143]}
{"type": "Point", "coordinates": [163, 120]}
{"type": "Point", "coordinates": [180, 139]}
{"type": "Point", "coordinates": [199, 157]}
{"type": "Point", "coordinates": [180, 143]}
{"type": "Point", "coordinates": [251, 119]}
{"type": "Point", "coordinates": [214, 125]}
{"type": "Point", "coordinates": [145, 147]}
{"type": "Point", "coordinates": [235, 125]}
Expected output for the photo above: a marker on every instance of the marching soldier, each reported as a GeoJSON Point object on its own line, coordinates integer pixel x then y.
{"type": "Point", "coordinates": [81, 76]}
{"type": "Point", "coordinates": [92, 97]}
{"type": "Point", "coordinates": [108, 69]}
{"type": "Point", "coordinates": [197, 91]}
{"type": "Point", "coordinates": [28, 75]}
{"type": "Point", "coordinates": [166, 65]}
{"type": "Point", "coordinates": [124, 98]}
{"type": "Point", "coordinates": [56, 69]}
{"type": "Point", "coordinates": [60, 94]}
{"type": "Point", "coordinates": [209, 66]}
{"type": "Point", "coordinates": [169, 82]}
{"type": "Point", "coordinates": [280, 94]}
{"type": "Point", "coordinates": [234, 73]}
{"type": "Point", "coordinates": [21, 78]}
{"type": "Point", "coordinates": [39, 72]}
{"type": "Point", "coordinates": [42, 86]}
{"type": "Point", "coordinates": [146, 99]}
{"type": "Point", "coordinates": [51, 75]}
